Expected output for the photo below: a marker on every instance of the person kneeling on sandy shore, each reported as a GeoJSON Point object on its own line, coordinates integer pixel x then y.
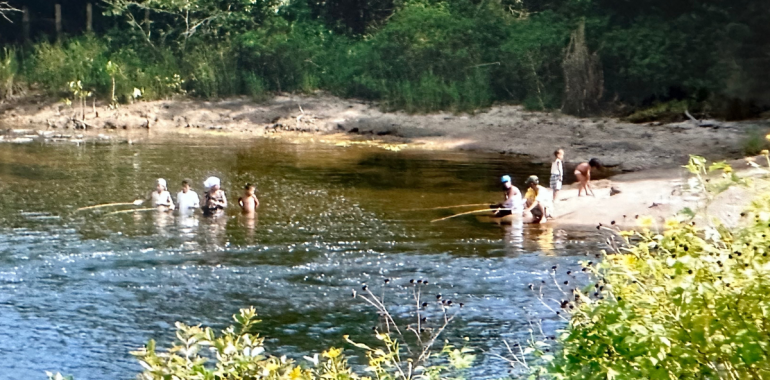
{"type": "Point", "coordinates": [536, 201]}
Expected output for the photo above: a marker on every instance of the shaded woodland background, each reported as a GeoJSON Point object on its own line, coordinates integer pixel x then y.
{"type": "Point", "coordinates": [643, 59]}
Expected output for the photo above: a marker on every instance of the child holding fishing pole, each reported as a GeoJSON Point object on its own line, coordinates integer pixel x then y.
{"type": "Point", "coordinates": [513, 202]}
{"type": "Point", "coordinates": [161, 198]}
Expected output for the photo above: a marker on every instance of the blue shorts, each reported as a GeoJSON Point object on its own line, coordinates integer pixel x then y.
{"type": "Point", "coordinates": [555, 182]}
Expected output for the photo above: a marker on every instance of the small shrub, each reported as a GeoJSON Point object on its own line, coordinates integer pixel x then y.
{"type": "Point", "coordinates": [754, 142]}
{"type": "Point", "coordinates": [667, 111]}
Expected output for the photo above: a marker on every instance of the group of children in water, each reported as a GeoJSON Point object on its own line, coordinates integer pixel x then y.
{"type": "Point", "coordinates": [214, 199]}
{"type": "Point", "coordinates": [535, 206]}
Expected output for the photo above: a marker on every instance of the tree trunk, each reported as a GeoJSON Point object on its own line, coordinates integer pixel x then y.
{"type": "Point", "coordinates": [58, 21]}
{"type": "Point", "coordinates": [25, 23]}
{"type": "Point", "coordinates": [583, 76]}
{"type": "Point", "coordinates": [89, 17]}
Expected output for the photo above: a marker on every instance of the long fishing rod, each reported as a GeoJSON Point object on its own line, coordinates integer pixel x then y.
{"type": "Point", "coordinates": [446, 207]}
{"type": "Point", "coordinates": [137, 202]}
{"type": "Point", "coordinates": [471, 212]}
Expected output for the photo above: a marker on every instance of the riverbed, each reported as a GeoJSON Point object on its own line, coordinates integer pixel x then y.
{"type": "Point", "coordinates": [80, 289]}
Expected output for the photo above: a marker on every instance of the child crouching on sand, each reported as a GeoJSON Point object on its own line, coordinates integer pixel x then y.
{"type": "Point", "coordinates": [583, 174]}
{"type": "Point", "coordinates": [538, 204]}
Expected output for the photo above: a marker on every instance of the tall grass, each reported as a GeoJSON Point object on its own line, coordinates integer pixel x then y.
{"type": "Point", "coordinates": [9, 74]}
{"type": "Point", "coordinates": [54, 65]}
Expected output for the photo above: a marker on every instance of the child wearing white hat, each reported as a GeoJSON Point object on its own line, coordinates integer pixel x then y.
{"type": "Point", "coordinates": [161, 197]}
{"type": "Point", "coordinates": [214, 199]}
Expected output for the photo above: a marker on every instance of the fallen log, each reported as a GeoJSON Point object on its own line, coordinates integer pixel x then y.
{"type": "Point", "coordinates": [702, 123]}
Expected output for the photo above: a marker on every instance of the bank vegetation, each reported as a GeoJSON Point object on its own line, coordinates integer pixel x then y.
{"type": "Point", "coordinates": [645, 60]}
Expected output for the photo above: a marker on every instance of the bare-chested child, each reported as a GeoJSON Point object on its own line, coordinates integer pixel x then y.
{"type": "Point", "coordinates": [583, 174]}
{"type": "Point", "coordinates": [248, 201]}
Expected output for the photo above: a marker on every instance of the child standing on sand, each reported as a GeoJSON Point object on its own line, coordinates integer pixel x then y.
{"type": "Point", "coordinates": [248, 201]}
{"type": "Point", "coordinates": [557, 172]}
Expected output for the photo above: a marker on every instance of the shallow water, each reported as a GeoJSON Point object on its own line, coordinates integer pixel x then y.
{"type": "Point", "coordinates": [79, 290]}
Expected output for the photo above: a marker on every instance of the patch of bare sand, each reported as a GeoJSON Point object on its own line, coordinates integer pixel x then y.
{"type": "Point", "coordinates": [659, 193]}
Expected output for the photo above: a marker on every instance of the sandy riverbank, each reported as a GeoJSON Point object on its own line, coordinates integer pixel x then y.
{"type": "Point", "coordinates": [651, 150]}
{"type": "Point", "coordinates": [505, 129]}
{"type": "Point", "coordinates": [659, 193]}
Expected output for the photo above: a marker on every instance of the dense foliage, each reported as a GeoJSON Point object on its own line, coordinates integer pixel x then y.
{"type": "Point", "coordinates": [677, 300]}
{"type": "Point", "coordinates": [418, 55]}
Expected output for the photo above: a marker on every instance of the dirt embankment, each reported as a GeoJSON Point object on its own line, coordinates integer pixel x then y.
{"type": "Point", "coordinates": [505, 129]}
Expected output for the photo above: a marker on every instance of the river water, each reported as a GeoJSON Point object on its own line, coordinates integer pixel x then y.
{"type": "Point", "coordinates": [79, 290]}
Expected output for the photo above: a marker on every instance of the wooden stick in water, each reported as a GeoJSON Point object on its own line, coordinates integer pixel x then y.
{"type": "Point", "coordinates": [446, 207]}
{"type": "Point", "coordinates": [131, 210]}
{"type": "Point", "coordinates": [134, 203]}
{"type": "Point", "coordinates": [471, 212]}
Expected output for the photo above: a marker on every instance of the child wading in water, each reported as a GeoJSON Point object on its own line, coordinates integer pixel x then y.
{"type": "Point", "coordinates": [248, 201]}
{"type": "Point", "coordinates": [161, 198]}
{"type": "Point", "coordinates": [215, 200]}
{"type": "Point", "coordinates": [557, 172]}
{"type": "Point", "coordinates": [187, 200]}
{"type": "Point", "coordinates": [583, 174]}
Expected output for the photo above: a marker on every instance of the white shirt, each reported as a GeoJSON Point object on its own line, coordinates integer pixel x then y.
{"type": "Point", "coordinates": [187, 201]}
{"type": "Point", "coordinates": [515, 203]}
{"type": "Point", "coordinates": [161, 199]}
{"type": "Point", "coordinates": [557, 168]}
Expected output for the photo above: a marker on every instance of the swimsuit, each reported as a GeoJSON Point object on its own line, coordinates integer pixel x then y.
{"type": "Point", "coordinates": [209, 207]}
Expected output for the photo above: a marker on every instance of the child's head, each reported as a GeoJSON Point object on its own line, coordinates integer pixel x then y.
{"type": "Point", "coordinates": [595, 163]}
{"type": "Point", "coordinates": [249, 188]}
{"type": "Point", "coordinates": [186, 185]}
{"type": "Point", "coordinates": [532, 181]}
{"type": "Point", "coordinates": [559, 153]}
{"type": "Point", "coordinates": [160, 184]}
{"type": "Point", "coordinates": [506, 181]}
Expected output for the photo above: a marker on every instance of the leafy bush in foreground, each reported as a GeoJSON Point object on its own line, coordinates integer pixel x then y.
{"type": "Point", "coordinates": [689, 301]}
{"type": "Point", "coordinates": [238, 352]}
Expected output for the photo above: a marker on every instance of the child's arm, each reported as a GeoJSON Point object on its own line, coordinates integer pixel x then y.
{"type": "Point", "coordinates": [170, 201]}
{"type": "Point", "coordinates": [588, 184]}
{"type": "Point", "coordinates": [256, 201]}
{"type": "Point", "coordinates": [240, 202]}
